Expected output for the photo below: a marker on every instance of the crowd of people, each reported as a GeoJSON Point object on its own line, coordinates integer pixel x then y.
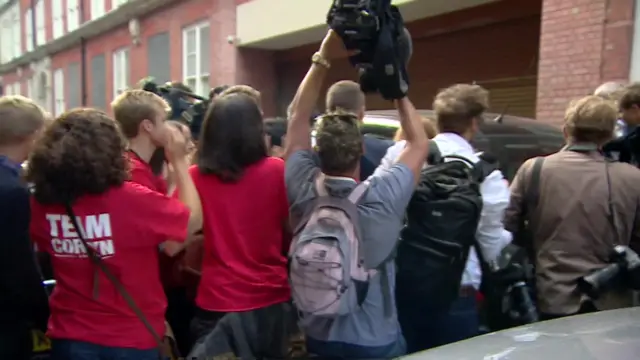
{"type": "Point", "coordinates": [155, 235]}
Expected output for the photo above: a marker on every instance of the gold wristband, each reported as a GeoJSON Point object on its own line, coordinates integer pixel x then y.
{"type": "Point", "coordinates": [318, 59]}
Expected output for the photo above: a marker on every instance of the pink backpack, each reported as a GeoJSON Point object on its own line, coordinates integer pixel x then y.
{"type": "Point", "coordinates": [326, 271]}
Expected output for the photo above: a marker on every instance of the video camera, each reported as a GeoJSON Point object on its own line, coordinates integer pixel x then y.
{"type": "Point", "coordinates": [509, 296]}
{"type": "Point", "coordinates": [625, 148]}
{"type": "Point", "coordinates": [376, 29]}
{"type": "Point", "coordinates": [622, 272]}
{"type": "Point", "coordinates": [189, 113]}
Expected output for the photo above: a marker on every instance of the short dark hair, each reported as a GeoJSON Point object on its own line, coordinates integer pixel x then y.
{"type": "Point", "coordinates": [276, 128]}
{"type": "Point", "coordinates": [232, 137]}
{"type": "Point", "coordinates": [218, 90]}
{"type": "Point", "coordinates": [81, 153]}
{"type": "Point", "coordinates": [457, 106]}
{"type": "Point", "coordinates": [339, 142]}
{"type": "Point", "coordinates": [181, 86]}
{"type": "Point", "coordinates": [629, 96]}
{"type": "Point", "coordinates": [345, 95]}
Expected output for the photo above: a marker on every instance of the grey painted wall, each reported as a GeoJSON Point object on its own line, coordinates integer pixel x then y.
{"type": "Point", "coordinates": [99, 82]}
{"type": "Point", "coordinates": [159, 57]}
{"type": "Point", "coordinates": [74, 85]}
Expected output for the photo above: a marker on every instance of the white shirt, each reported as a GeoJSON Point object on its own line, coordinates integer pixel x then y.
{"type": "Point", "coordinates": [491, 235]}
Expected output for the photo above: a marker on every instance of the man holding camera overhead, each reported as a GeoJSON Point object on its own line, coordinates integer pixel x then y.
{"type": "Point", "coordinates": [578, 206]}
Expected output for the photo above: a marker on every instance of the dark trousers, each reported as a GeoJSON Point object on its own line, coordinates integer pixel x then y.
{"type": "Point", "coordinates": [203, 322]}
{"type": "Point", "coordinates": [425, 326]}
{"type": "Point", "coordinates": [79, 350]}
{"type": "Point", "coordinates": [334, 350]}
{"type": "Point", "coordinates": [180, 311]}
{"type": "Point", "coordinates": [15, 343]}
{"type": "Point", "coordinates": [587, 307]}
{"type": "Point", "coordinates": [268, 329]}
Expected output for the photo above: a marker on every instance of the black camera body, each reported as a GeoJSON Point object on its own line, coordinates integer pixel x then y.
{"type": "Point", "coordinates": [375, 29]}
{"type": "Point", "coordinates": [509, 294]}
{"type": "Point", "coordinates": [174, 98]}
{"type": "Point", "coordinates": [356, 23]}
{"type": "Point", "coordinates": [191, 114]}
{"type": "Point", "coordinates": [622, 272]}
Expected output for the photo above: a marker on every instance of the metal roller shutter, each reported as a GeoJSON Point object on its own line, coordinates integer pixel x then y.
{"type": "Point", "coordinates": [514, 96]}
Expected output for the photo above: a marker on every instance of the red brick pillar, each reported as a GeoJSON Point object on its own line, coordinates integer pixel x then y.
{"type": "Point", "coordinates": [257, 68]}
{"type": "Point", "coordinates": [582, 44]}
{"type": "Point", "coordinates": [232, 65]}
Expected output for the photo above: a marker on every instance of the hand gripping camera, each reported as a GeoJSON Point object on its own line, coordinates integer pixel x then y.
{"type": "Point", "coordinates": [622, 272]}
{"type": "Point", "coordinates": [376, 29]}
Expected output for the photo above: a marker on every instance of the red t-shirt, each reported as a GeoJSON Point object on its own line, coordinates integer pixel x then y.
{"type": "Point", "coordinates": [126, 225]}
{"type": "Point", "coordinates": [142, 174]}
{"type": "Point", "coordinates": [243, 266]}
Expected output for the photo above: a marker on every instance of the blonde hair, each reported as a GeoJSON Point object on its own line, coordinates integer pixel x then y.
{"type": "Point", "coordinates": [134, 106]}
{"type": "Point", "coordinates": [429, 129]}
{"type": "Point", "coordinates": [591, 119]}
{"type": "Point", "coordinates": [610, 90]}
{"type": "Point", "coordinates": [243, 89]}
{"type": "Point", "coordinates": [457, 106]}
{"type": "Point", "coordinates": [20, 118]}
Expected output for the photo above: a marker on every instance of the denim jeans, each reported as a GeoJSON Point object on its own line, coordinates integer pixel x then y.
{"type": "Point", "coordinates": [426, 327]}
{"type": "Point", "coordinates": [79, 350]}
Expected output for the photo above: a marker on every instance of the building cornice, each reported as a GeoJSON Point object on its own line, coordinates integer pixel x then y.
{"type": "Point", "coordinates": [6, 6]}
{"type": "Point", "coordinates": [90, 29]}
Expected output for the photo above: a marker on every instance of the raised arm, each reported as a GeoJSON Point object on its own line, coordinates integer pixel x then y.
{"type": "Point", "coordinates": [301, 109]}
{"type": "Point", "coordinates": [187, 192]}
{"type": "Point", "coordinates": [416, 150]}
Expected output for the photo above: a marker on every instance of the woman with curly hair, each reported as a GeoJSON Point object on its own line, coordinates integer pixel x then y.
{"type": "Point", "coordinates": [80, 161]}
{"type": "Point", "coordinates": [245, 222]}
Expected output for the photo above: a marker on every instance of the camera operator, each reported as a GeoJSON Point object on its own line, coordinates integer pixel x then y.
{"type": "Point", "coordinates": [216, 91]}
{"type": "Point", "coordinates": [578, 206]}
{"type": "Point", "coordinates": [180, 86]}
{"type": "Point", "coordinates": [626, 145]}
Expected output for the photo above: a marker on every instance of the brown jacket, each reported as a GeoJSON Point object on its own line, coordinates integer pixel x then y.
{"type": "Point", "coordinates": [571, 228]}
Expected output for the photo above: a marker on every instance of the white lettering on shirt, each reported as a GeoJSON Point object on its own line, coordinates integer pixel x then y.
{"type": "Point", "coordinates": [96, 230]}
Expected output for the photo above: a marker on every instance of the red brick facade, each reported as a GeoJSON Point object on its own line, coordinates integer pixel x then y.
{"type": "Point", "coordinates": [571, 47]}
{"type": "Point", "coordinates": [582, 44]}
{"type": "Point", "coordinates": [228, 64]}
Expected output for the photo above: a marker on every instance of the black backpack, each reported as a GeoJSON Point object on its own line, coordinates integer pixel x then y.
{"type": "Point", "coordinates": [441, 223]}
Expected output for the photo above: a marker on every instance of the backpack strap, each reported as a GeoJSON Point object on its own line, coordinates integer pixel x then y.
{"type": "Point", "coordinates": [117, 284]}
{"type": "Point", "coordinates": [533, 193]}
{"type": "Point", "coordinates": [358, 192]}
{"type": "Point", "coordinates": [387, 292]}
{"type": "Point", "coordinates": [319, 184]}
{"type": "Point", "coordinates": [484, 168]}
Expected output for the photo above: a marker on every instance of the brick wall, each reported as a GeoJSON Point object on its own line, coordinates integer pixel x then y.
{"type": "Point", "coordinates": [228, 64]}
{"type": "Point", "coordinates": [583, 43]}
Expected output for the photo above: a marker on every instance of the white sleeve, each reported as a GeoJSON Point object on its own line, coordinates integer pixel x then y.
{"type": "Point", "coordinates": [491, 235]}
{"type": "Point", "coordinates": [390, 157]}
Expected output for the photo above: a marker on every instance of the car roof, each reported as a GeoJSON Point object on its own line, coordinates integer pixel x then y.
{"type": "Point", "coordinates": [509, 124]}
{"type": "Point", "coordinates": [605, 335]}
